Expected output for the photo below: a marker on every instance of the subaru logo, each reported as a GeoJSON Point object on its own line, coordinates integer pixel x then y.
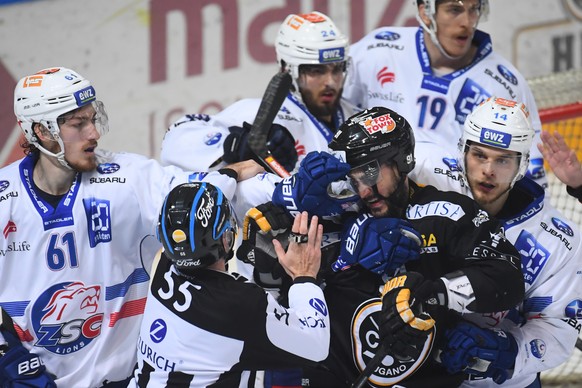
{"type": "Point", "coordinates": [4, 185]}
{"type": "Point", "coordinates": [508, 75]}
{"type": "Point", "coordinates": [108, 168]}
{"type": "Point", "coordinates": [387, 35]}
{"type": "Point", "coordinates": [562, 226]}
{"type": "Point", "coordinates": [213, 138]}
{"type": "Point", "coordinates": [574, 309]}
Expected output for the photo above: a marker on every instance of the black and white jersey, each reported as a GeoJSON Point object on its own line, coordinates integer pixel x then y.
{"type": "Point", "coordinates": [211, 329]}
{"type": "Point", "coordinates": [457, 235]}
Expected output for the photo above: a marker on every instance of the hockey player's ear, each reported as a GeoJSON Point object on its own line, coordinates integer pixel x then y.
{"type": "Point", "coordinates": [228, 240]}
{"type": "Point", "coordinates": [42, 133]}
{"type": "Point", "coordinates": [423, 15]}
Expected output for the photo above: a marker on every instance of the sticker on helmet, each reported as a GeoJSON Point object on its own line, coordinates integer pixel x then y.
{"type": "Point", "coordinates": [383, 123]}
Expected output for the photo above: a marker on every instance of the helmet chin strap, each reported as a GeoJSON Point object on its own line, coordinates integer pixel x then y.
{"type": "Point", "coordinates": [433, 37]}
{"type": "Point", "coordinates": [60, 156]}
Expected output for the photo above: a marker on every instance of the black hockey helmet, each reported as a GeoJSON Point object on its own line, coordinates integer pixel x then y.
{"type": "Point", "coordinates": [376, 134]}
{"type": "Point", "coordinates": [194, 221]}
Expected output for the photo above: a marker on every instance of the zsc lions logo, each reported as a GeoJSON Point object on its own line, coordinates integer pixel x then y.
{"type": "Point", "coordinates": [4, 185]}
{"type": "Point", "coordinates": [66, 317]}
{"type": "Point", "coordinates": [365, 343]}
{"type": "Point", "coordinates": [562, 226]}
{"type": "Point", "coordinates": [387, 35]}
{"type": "Point", "coordinates": [508, 75]}
{"type": "Point", "coordinates": [108, 168]}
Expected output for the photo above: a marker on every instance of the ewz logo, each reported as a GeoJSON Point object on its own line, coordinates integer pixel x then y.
{"type": "Point", "coordinates": [331, 55]}
{"type": "Point", "coordinates": [495, 138]}
{"type": "Point", "coordinates": [66, 317]}
{"type": "Point", "coordinates": [85, 96]}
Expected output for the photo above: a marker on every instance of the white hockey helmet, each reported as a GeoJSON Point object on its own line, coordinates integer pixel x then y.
{"type": "Point", "coordinates": [309, 39]}
{"type": "Point", "coordinates": [499, 123]}
{"type": "Point", "coordinates": [430, 8]}
{"type": "Point", "coordinates": [44, 96]}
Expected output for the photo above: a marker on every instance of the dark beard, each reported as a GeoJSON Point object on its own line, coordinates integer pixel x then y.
{"type": "Point", "coordinates": [320, 111]}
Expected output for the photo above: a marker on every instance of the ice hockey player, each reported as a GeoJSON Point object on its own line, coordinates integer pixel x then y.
{"type": "Point", "coordinates": [540, 332]}
{"type": "Point", "coordinates": [436, 74]}
{"type": "Point", "coordinates": [314, 51]}
{"type": "Point", "coordinates": [79, 226]}
{"type": "Point", "coordinates": [463, 262]}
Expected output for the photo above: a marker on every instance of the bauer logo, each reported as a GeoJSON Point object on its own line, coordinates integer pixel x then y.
{"type": "Point", "coordinates": [66, 317]}
{"type": "Point", "coordinates": [108, 168]}
{"type": "Point", "coordinates": [562, 226]}
{"type": "Point", "coordinates": [158, 330]}
{"type": "Point", "coordinates": [508, 75]}
{"type": "Point", "coordinates": [574, 309]}
{"type": "Point", "coordinates": [4, 185]}
{"type": "Point", "coordinates": [387, 35]}
{"type": "Point", "coordinates": [85, 96]}
{"type": "Point", "coordinates": [331, 55]}
{"type": "Point", "coordinates": [533, 256]}
{"type": "Point", "coordinates": [495, 138]}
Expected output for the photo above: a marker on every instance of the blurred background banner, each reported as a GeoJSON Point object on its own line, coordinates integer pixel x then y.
{"type": "Point", "coordinates": [152, 61]}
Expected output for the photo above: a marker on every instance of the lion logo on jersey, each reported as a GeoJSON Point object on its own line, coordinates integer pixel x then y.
{"type": "Point", "coordinates": [366, 341]}
{"type": "Point", "coordinates": [72, 300]}
{"type": "Point", "coordinates": [66, 317]}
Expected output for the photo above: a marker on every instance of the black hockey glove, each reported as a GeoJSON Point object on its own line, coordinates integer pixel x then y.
{"type": "Point", "coordinates": [279, 141]}
{"type": "Point", "coordinates": [404, 326]}
{"type": "Point", "coordinates": [21, 369]}
{"type": "Point", "coordinates": [260, 226]}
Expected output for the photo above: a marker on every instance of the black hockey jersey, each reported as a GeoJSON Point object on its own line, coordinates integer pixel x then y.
{"type": "Point", "coordinates": [457, 236]}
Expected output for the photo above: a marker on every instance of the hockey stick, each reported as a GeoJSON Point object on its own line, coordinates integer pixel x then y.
{"type": "Point", "coordinates": [273, 98]}
{"type": "Point", "coordinates": [362, 379]}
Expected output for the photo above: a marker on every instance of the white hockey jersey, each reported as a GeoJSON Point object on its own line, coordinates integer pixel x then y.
{"type": "Point", "coordinates": [546, 324]}
{"type": "Point", "coordinates": [195, 142]}
{"type": "Point", "coordinates": [74, 277]}
{"type": "Point", "coordinates": [391, 68]}
{"type": "Point", "coordinates": [213, 329]}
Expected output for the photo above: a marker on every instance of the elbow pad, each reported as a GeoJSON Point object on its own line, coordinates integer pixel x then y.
{"type": "Point", "coordinates": [459, 292]}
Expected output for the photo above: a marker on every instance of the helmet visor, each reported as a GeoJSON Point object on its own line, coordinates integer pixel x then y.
{"type": "Point", "coordinates": [86, 118]}
{"type": "Point", "coordinates": [365, 175]}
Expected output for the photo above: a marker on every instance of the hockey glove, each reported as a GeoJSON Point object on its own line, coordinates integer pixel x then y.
{"type": "Point", "coordinates": [306, 190]}
{"type": "Point", "coordinates": [280, 143]}
{"type": "Point", "coordinates": [480, 352]}
{"type": "Point", "coordinates": [380, 245]}
{"type": "Point", "coordinates": [260, 226]}
{"type": "Point", "coordinates": [404, 327]}
{"type": "Point", "coordinates": [21, 369]}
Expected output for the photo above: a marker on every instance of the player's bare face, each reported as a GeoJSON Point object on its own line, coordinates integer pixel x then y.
{"type": "Point", "coordinates": [321, 87]}
{"type": "Point", "coordinates": [386, 180]}
{"type": "Point", "coordinates": [80, 134]}
{"type": "Point", "coordinates": [456, 24]}
{"type": "Point", "coordinates": [490, 172]}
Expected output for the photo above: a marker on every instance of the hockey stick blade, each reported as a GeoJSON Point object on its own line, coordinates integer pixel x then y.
{"type": "Point", "coordinates": [273, 98]}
